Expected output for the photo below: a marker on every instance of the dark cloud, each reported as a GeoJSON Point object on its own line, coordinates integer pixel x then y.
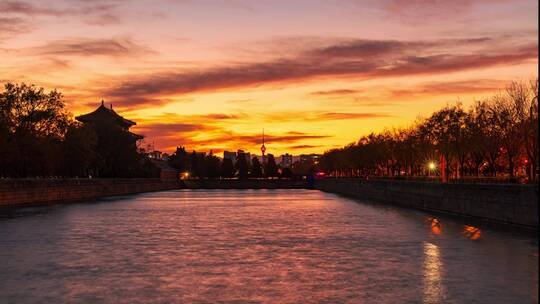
{"type": "Point", "coordinates": [338, 92]}
{"type": "Point", "coordinates": [318, 116]}
{"type": "Point", "coordinates": [287, 138]}
{"type": "Point", "coordinates": [199, 118]}
{"type": "Point", "coordinates": [170, 129]}
{"type": "Point", "coordinates": [91, 47]}
{"type": "Point", "coordinates": [451, 87]}
{"type": "Point", "coordinates": [26, 8]}
{"type": "Point", "coordinates": [343, 60]}
{"type": "Point", "coordinates": [444, 63]}
{"type": "Point", "coordinates": [93, 12]}
{"type": "Point", "coordinates": [301, 147]}
{"type": "Point", "coordinates": [220, 116]}
{"type": "Point", "coordinates": [11, 26]}
{"type": "Point", "coordinates": [103, 19]}
{"type": "Point", "coordinates": [368, 48]}
{"type": "Point", "coordinates": [338, 116]}
{"type": "Point", "coordinates": [421, 11]}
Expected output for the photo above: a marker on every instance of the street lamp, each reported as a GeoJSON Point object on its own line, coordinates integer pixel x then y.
{"type": "Point", "coordinates": [431, 167]}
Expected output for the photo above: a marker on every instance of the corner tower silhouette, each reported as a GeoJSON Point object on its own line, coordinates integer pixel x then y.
{"type": "Point", "coordinates": [104, 116]}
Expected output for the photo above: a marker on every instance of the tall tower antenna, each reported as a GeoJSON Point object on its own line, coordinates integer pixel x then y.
{"type": "Point", "coordinates": [263, 148]}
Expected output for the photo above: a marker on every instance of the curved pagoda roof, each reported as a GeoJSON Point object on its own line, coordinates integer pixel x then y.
{"type": "Point", "coordinates": [104, 114]}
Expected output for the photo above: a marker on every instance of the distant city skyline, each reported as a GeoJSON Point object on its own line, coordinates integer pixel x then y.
{"type": "Point", "coordinates": [210, 74]}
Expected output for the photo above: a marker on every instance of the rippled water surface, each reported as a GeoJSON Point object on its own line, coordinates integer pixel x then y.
{"type": "Point", "coordinates": [257, 246]}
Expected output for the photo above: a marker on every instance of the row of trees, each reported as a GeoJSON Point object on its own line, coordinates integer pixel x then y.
{"type": "Point", "coordinates": [202, 165]}
{"type": "Point", "coordinates": [495, 136]}
{"type": "Point", "coordinates": [39, 137]}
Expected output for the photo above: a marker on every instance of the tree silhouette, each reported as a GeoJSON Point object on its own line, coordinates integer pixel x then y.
{"type": "Point", "coordinates": [271, 169]}
{"type": "Point", "coordinates": [32, 126]}
{"type": "Point", "coordinates": [242, 165]}
{"type": "Point", "coordinates": [227, 168]}
{"type": "Point", "coordinates": [256, 168]}
{"type": "Point", "coordinates": [79, 151]}
{"type": "Point", "coordinates": [180, 161]}
{"type": "Point", "coordinates": [286, 173]}
{"type": "Point", "coordinates": [212, 165]}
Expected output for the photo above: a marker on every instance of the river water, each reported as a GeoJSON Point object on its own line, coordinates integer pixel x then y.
{"type": "Point", "coordinates": [257, 246]}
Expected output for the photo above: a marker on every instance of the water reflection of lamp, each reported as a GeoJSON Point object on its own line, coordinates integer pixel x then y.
{"type": "Point", "coordinates": [435, 225]}
{"type": "Point", "coordinates": [433, 287]}
{"type": "Point", "coordinates": [472, 233]}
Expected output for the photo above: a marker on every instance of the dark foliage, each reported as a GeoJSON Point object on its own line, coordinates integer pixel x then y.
{"type": "Point", "coordinates": [38, 137]}
{"type": "Point", "coordinates": [271, 169]}
{"type": "Point", "coordinates": [227, 168]}
{"type": "Point", "coordinates": [256, 168]}
{"type": "Point", "coordinates": [495, 136]}
{"type": "Point", "coordinates": [242, 166]}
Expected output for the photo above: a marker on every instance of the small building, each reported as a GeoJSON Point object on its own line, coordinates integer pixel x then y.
{"type": "Point", "coordinates": [155, 155]}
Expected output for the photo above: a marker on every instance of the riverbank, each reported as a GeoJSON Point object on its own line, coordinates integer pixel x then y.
{"type": "Point", "coordinates": [32, 192]}
{"type": "Point", "coordinates": [511, 204]}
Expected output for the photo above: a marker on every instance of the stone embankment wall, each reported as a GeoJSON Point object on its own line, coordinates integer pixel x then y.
{"type": "Point", "coordinates": [504, 203]}
{"type": "Point", "coordinates": [244, 184]}
{"type": "Point", "coordinates": [31, 192]}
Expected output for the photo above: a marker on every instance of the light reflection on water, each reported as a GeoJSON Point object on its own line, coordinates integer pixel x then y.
{"type": "Point", "coordinates": [433, 288]}
{"type": "Point", "coordinates": [257, 246]}
{"type": "Point", "coordinates": [472, 233]}
{"type": "Point", "coordinates": [435, 226]}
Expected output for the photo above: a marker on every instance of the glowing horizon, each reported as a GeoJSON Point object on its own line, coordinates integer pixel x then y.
{"type": "Point", "coordinates": [211, 74]}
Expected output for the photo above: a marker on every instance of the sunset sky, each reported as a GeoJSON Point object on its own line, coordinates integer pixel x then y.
{"type": "Point", "coordinates": [211, 74]}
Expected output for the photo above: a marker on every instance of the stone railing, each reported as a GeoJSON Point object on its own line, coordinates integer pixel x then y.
{"type": "Point", "coordinates": [26, 192]}
{"type": "Point", "coordinates": [504, 203]}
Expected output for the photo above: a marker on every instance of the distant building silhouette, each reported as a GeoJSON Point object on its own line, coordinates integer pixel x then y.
{"type": "Point", "coordinates": [246, 154]}
{"type": "Point", "coordinates": [310, 158]}
{"type": "Point", "coordinates": [230, 155]}
{"type": "Point", "coordinates": [104, 116]}
{"type": "Point", "coordinates": [286, 160]}
{"type": "Point", "coordinates": [155, 155]}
